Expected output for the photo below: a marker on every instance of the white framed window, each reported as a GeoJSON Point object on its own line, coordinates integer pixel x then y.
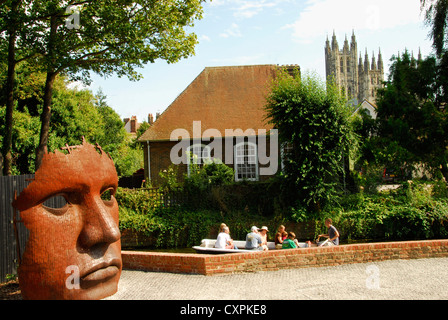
{"type": "Point", "coordinates": [198, 154]}
{"type": "Point", "coordinates": [246, 161]}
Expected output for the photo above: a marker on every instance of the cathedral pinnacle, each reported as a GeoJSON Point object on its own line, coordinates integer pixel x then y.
{"type": "Point", "coordinates": [359, 76]}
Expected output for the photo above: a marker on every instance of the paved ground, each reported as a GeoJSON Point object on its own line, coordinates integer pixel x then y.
{"type": "Point", "coordinates": [420, 279]}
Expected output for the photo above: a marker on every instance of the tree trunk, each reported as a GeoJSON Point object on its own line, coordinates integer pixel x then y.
{"type": "Point", "coordinates": [45, 118]}
{"type": "Point", "coordinates": [48, 94]}
{"type": "Point", "coordinates": [7, 138]}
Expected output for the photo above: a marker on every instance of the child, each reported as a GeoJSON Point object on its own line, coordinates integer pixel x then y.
{"type": "Point", "coordinates": [288, 243]}
{"type": "Point", "coordinates": [280, 236]}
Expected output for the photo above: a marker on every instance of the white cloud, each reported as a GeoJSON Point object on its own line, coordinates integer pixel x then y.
{"type": "Point", "coordinates": [205, 38]}
{"type": "Point", "coordinates": [244, 9]}
{"type": "Point", "coordinates": [322, 16]}
{"type": "Point", "coordinates": [248, 9]}
{"type": "Point", "coordinates": [232, 31]}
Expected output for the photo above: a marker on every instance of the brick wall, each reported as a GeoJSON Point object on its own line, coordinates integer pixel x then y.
{"type": "Point", "coordinates": [164, 262]}
{"type": "Point", "coordinates": [160, 158]}
{"type": "Point", "coordinates": [283, 259]}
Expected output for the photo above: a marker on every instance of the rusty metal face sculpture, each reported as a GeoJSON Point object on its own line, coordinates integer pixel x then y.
{"type": "Point", "coordinates": [73, 251]}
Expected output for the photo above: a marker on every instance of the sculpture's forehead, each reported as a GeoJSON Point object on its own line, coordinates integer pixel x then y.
{"type": "Point", "coordinates": [85, 169]}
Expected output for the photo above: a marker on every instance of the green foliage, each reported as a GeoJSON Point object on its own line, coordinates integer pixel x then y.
{"type": "Point", "coordinates": [169, 178]}
{"type": "Point", "coordinates": [127, 159]}
{"type": "Point", "coordinates": [75, 114]}
{"type": "Point", "coordinates": [313, 118]}
{"type": "Point", "coordinates": [180, 226]}
{"type": "Point", "coordinates": [369, 179]}
{"type": "Point", "coordinates": [142, 129]}
{"type": "Point", "coordinates": [412, 123]}
{"type": "Point", "coordinates": [436, 16]}
{"type": "Point", "coordinates": [110, 38]}
{"type": "Point", "coordinates": [413, 212]}
{"type": "Point", "coordinates": [25, 136]}
{"type": "Point", "coordinates": [169, 227]}
{"type": "Point", "coordinates": [211, 173]}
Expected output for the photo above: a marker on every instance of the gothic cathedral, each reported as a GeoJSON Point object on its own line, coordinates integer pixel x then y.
{"type": "Point", "coordinates": [359, 79]}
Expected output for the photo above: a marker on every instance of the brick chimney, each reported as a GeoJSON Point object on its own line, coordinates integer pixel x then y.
{"type": "Point", "coordinates": [133, 124]}
{"type": "Point", "coordinates": [150, 119]}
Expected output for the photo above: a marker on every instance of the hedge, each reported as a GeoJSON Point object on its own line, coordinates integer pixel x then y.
{"type": "Point", "coordinates": [413, 212]}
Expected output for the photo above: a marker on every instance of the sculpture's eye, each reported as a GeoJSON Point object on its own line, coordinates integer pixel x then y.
{"type": "Point", "coordinates": [107, 195]}
{"type": "Point", "coordinates": [57, 204]}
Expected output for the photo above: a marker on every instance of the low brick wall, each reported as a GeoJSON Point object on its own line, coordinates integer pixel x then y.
{"type": "Point", "coordinates": [283, 259]}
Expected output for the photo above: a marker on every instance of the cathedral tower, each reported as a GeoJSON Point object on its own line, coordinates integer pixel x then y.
{"type": "Point", "coordinates": [359, 78]}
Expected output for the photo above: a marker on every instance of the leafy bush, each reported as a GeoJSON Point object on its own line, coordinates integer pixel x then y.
{"type": "Point", "coordinates": [181, 226]}
{"type": "Point", "coordinates": [169, 178]}
{"type": "Point", "coordinates": [170, 227]}
{"type": "Point", "coordinates": [411, 212]}
{"type": "Point", "coordinates": [212, 173]}
{"type": "Point", "coordinates": [416, 210]}
{"type": "Point", "coordinates": [313, 118]}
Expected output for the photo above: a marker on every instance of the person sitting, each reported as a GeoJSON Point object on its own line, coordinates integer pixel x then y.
{"type": "Point", "coordinates": [253, 240]}
{"type": "Point", "coordinates": [222, 227]}
{"type": "Point", "coordinates": [280, 236]}
{"type": "Point", "coordinates": [333, 233]}
{"type": "Point", "coordinates": [224, 241]}
{"type": "Point", "coordinates": [264, 237]}
{"type": "Point", "coordinates": [289, 243]}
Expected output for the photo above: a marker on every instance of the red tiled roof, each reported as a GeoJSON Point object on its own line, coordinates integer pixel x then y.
{"type": "Point", "coordinates": [221, 98]}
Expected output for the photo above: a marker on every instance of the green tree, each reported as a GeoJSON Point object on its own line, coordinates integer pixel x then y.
{"type": "Point", "coordinates": [113, 133]}
{"type": "Point", "coordinates": [412, 121]}
{"type": "Point", "coordinates": [436, 16]}
{"type": "Point", "coordinates": [314, 120]}
{"type": "Point", "coordinates": [75, 113]}
{"type": "Point", "coordinates": [142, 129]}
{"type": "Point", "coordinates": [112, 37]}
{"type": "Point", "coordinates": [12, 20]}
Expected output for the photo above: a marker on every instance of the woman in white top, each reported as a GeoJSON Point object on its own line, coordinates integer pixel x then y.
{"type": "Point", "coordinates": [224, 241]}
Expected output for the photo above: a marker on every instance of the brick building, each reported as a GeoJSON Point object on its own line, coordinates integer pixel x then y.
{"type": "Point", "coordinates": [219, 115]}
{"type": "Point", "coordinates": [131, 125]}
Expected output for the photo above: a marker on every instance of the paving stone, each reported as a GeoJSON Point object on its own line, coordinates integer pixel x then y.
{"type": "Point", "coordinates": [421, 279]}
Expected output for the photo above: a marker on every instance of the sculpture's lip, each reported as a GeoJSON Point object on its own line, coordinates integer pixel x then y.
{"type": "Point", "coordinates": [102, 271]}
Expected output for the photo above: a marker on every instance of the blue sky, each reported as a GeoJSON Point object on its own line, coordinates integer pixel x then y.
{"type": "Point", "coordinates": [250, 32]}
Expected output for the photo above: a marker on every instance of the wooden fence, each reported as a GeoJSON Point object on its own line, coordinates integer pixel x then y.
{"type": "Point", "coordinates": [13, 242]}
{"type": "Point", "coordinates": [8, 243]}
{"type": "Point", "coordinates": [167, 199]}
